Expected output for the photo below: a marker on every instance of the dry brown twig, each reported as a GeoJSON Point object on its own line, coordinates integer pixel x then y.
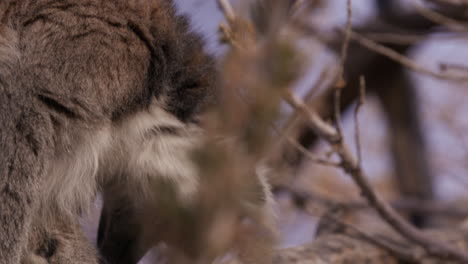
{"type": "Point", "coordinates": [453, 66]}
{"type": "Point", "coordinates": [322, 82]}
{"type": "Point", "coordinates": [405, 61]}
{"type": "Point", "coordinates": [341, 82]}
{"type": "Point", "coordinates": [394, 38]}
{"type": "Point", "coordinates": [438, 18]}
{"type": "Point", "coordinates": [351, 166]}
{"type": "Point", "coordinates": [457, 3]}
{"type": "Point", "coordinates": [306, 152]}
{"type": "Point", "coordinates": [325, 80]}
{"type": "Point", "coordinates": [374, 46]}
{"type": "Point", "coordinates": [359, 104]}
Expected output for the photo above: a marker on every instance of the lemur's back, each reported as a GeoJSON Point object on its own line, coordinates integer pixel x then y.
{"type": "Point", "coordinates": [112, 55]}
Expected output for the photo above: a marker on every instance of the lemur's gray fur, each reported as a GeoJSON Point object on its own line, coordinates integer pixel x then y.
{"type": "Point", "coordinates": [94, 95]}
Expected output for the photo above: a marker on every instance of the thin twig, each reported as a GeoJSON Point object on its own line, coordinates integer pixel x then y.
{"type": "Point", "coordinates": [324, 80]}
{"type": "Point", "coordinates": [396, 38]}
{"type": "Point", "coordinates": [374, 46]}
{"type": "Point", "coordinates": [227, 10]}
{"type": "Point", "coordinates": [308, 154]}
{"type": "Point", "coordinates": [345, 45]}
{"type": "Point", "coordinates": [453, 66]}
{"type": "Point", "coordinates": [341, 83]}
{"type": "Point", "coordinates": [337, 110]}
{"type": "Point", "coordinates": [438, 18]}
{"type": "Point", "coordinates": [323, 129]}
{"type": "Point", "coordinates": [453, 3]}
{"type": "Point", "coordinates": [405, 61]}
{"type": "Point", "coordinates": [359, 104]}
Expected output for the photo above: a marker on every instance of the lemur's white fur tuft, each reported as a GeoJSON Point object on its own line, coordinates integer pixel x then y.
{"type": "Point", "coordinates": [138, 147]}
{"type": "Point", "coordinates": [155, 154]}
